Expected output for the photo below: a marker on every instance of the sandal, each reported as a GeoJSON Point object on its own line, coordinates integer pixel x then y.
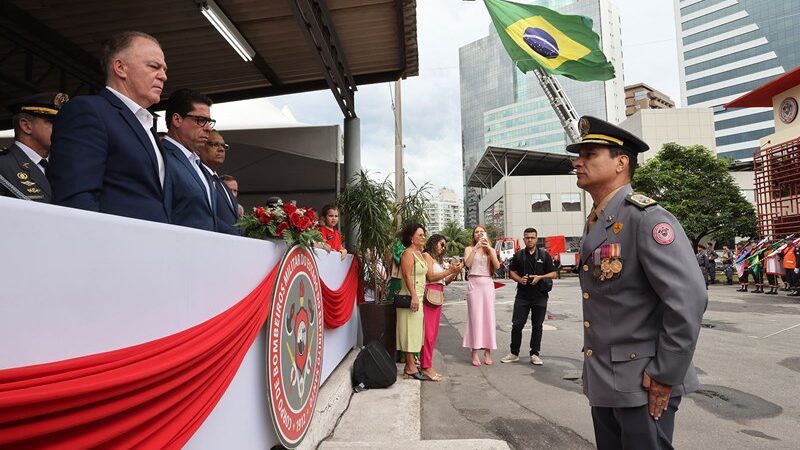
{"type": "Point", "coordinates": [435, 377]}
{"type": "Point", "coordinates": [416, 375]}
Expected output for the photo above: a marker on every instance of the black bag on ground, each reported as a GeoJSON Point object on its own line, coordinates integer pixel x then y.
{"type": "Point", "coordinates": [373, 368]}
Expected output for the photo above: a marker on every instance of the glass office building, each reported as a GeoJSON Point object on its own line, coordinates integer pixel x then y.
{"type": "Point", "coordinates": [502, 107]}
{"type": "Point", "coordinates": [726, 48]}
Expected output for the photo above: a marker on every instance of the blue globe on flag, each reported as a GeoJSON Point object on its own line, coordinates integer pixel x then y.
{"type": "Point", "coordinates": [541, 42]}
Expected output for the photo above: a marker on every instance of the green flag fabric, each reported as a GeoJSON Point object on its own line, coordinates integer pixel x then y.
{"type": "Point", "coordinates": [538, 37]}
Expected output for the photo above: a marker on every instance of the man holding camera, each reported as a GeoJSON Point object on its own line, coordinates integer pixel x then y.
{"type": "Point", "coordinates": [534, 271]}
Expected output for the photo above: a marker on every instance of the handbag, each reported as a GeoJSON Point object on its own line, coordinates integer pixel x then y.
{"type": "Point", "coordinates": [404, 300]}
{"type": "Point", "coordinates": [434, 297]}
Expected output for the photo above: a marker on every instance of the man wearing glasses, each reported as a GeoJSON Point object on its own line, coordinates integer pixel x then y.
{"type": "Point", "coordinates": [104, 155]}
{"type": "Point", "coordinates": [213, 156]}
{"type": "Point", "coordinates": [189, 124]}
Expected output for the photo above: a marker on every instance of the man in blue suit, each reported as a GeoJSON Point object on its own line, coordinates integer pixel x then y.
{"type": "Point", "coordinates": [105, 156]}
{"type": "Point", "coordinates": [213, 156]}
{"type": "Point", "coordinates": [189, 123]}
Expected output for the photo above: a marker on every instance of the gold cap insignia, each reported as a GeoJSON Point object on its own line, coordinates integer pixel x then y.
{"type": "Point", "coordinates": [60, 99]}
{"type": "Point", "coordinates": [22, 175]}
{"type": "Point", "coordinates": [25, 165]}
{"type": "Point", "coordinates": [28, 183]}
{"type": "Point", "coordinates": [584, 126]}
{"type": "Point", "coordinates": [34, 190]}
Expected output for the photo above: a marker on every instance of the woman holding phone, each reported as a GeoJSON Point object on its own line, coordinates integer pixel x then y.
{"type": "Point", "coordinates": [482, 262]}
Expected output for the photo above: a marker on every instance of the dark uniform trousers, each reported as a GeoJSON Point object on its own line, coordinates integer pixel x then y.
{"type": "Point", "coordinates": [634, 428]}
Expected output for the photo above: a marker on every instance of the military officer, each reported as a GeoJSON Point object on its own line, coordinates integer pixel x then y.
{"type": "Point", "coordinates": [643, 298]}
{"type": "Point", "coordinates": [23, 166]}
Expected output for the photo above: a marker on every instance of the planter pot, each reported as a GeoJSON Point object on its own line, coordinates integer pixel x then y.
{"type": "Point", "coordinates": [378, 322]}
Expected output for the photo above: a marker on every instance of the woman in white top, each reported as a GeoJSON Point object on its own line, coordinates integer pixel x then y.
{"type": "Point", "coordinates": [437, 277]}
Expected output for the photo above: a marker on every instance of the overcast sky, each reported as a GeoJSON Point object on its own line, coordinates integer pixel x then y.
{"type": "Point", "coordinates": [430, 101]}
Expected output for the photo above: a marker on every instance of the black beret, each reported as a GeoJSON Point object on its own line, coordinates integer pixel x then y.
{"type": "Point", "coordinates": [45, 104]}
{"type": "Point", "coordinates": [600, 132]}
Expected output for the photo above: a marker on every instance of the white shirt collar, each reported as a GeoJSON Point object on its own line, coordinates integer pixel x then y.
{"type": "Point", "coordinates": [35, 157]}
{"type": "Point", "coordinates": [210, 170]}
{"type": "Point", "coordinates": [188, 153]}
{"type": "Point", "coordinates": [141, 113]}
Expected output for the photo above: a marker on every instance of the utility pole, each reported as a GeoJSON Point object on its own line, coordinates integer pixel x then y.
{"type": "Point", "coordinates": [399, 172]}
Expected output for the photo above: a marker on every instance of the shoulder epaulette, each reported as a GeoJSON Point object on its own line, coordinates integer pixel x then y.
{"type": "Point", "coordinates": [642, 201]}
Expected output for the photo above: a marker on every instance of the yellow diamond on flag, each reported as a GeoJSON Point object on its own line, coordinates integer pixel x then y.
{"type": "Point", "coordinates": [568, 49]}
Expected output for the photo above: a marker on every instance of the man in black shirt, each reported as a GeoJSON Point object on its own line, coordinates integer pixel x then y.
{"type": "Point", "coordinates": [533, 270]}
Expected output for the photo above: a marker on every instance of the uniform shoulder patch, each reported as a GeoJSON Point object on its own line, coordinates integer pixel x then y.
{"type": "Point", "coordinates": [642, 201]}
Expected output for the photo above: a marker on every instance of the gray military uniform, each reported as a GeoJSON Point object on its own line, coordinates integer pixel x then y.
{"type": "Point", "coordinates": [647, 316]}
{"type": "Point", "coordinates": [22, 173]}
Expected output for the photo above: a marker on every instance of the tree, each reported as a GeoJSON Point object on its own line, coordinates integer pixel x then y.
{"type": "Point", "coordinates": [457, 240]}
{"type": "Point", "coordinates": [696, 187]}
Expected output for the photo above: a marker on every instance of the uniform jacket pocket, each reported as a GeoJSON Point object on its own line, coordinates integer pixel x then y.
{"type": "Point", "coordinates": [629, 361]}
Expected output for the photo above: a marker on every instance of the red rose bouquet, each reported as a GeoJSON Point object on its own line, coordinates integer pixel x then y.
{"type": "Point", "coordinates": [292, 224]}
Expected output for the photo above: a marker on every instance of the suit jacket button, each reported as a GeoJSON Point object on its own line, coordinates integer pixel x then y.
{"type": "Point", "coordinates": [585, 267]}
{"type": "Point", "coordinates": [586, 324]}
{"type": "Point", "coordinates": [632, 355]}
{"type": "Point", "coordinates": [586, 296]}
{"type": "Point", "coordinates": [589, 353]}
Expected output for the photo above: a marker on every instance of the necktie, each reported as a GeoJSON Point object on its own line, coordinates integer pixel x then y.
{"type": "Point", "coordinates": [45, 165]}
{"type": "Point", "coordinates": [591, 220]}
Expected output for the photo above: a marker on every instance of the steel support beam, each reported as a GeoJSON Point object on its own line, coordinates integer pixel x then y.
{"type": "Point", "coordinates": [317, 27]}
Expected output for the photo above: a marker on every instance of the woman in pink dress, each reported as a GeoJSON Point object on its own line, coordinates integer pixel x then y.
{"type": "Point", "coordinates": [482, 262]}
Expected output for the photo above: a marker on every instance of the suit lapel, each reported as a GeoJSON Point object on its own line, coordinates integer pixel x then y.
{"type": "Point", "coordinates": [135, 126]}
{"type": "Point", "coordinates": [35, 175]}
{"type": "Point", "coordinates": [227, 196]}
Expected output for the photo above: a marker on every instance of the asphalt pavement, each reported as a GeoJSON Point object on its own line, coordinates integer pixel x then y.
{"type": "Point", "coordinates": [748, 358]}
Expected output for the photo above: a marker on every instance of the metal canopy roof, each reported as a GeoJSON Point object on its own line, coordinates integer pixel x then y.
{"type": "Point", "coordinates": [300, 45]}
{"type": "Point", "coordinates": [762, 95]}
{"type": "Point", "coordinates": [498, 162]}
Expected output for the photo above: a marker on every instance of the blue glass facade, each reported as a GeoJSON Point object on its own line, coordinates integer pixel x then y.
{"type": "Point", "coordinates": [729, 48]}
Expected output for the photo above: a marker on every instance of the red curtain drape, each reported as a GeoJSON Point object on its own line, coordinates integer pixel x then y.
{"type": "Point", "coordinates": [152, 395]}
{"type": "Point", "coordinates": [339, 303]}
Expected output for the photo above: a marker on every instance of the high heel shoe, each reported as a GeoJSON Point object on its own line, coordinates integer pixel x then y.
{"type": "Point", "coordinates": [487, 358]}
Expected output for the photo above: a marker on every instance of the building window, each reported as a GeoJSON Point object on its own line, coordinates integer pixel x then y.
{"type": "Point", "coordinates": [570, 202]}
{"type": "Point", "coordinates": [494, 216]}
{"type": "Point", "coordinates": [540, 203]}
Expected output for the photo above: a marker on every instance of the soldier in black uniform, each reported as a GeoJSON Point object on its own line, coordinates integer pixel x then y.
{"type": "Point", "coordinates": [23, 166]}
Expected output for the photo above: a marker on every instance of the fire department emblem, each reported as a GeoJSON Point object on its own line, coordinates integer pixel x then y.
{"type": "Point", "coordinates": [294, 346]}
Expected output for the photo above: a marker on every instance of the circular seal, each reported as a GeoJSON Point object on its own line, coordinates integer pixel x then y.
{"type": "Point", "coordinates": [663, 233]}
{"type": "Point", "coordinates": [294, 346]}
{"type": "Point", "coordinates": [788, 110]}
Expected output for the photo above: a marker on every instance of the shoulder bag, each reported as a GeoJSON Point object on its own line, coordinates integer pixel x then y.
{"type": "Point", "coordinates": [404, 300]}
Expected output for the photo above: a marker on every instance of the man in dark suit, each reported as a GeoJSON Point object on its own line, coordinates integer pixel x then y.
{"type": "Point", "coordinates": [23, 166]}
{"type": "Point", "coordinates": [189, 123]}
{"type": "Point", "coordinates": [213, 156]}
{"type": "Point", "coordinates": [105, 156]}
{"type": "Point", "coordinates": [643, 301]}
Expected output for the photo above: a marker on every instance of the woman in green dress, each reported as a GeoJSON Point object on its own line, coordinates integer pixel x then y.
{"type": "Point", "coordinates": [410, 320]}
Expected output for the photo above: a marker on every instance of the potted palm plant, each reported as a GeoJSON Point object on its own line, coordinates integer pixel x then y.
{"type": "Point", "coordinates": [371, 207]}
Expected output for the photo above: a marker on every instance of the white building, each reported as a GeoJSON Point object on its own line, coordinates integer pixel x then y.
{"type": "Point", "coordinates": [684, 126]}
{"type": "Point", "coordinates": [445, 207]}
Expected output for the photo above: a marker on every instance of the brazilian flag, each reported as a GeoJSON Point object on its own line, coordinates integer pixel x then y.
{"type": "Point", "coordinates": [538, 37]}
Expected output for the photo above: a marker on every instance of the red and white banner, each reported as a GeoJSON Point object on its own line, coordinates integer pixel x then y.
{"type": "Point", "coordinates": [155, 394]}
